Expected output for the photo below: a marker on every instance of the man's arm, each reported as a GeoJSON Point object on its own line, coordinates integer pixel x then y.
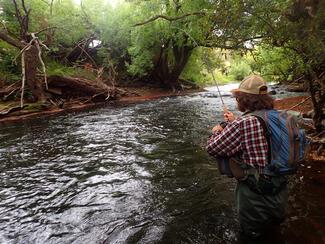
{"type": "Point", "coordinates": [226, 142]}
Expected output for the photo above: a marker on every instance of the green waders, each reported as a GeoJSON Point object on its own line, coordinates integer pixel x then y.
{"type": "Point", "coordinates": [260, 203]}
{"type": "Point", "coordinates": [260, 200]}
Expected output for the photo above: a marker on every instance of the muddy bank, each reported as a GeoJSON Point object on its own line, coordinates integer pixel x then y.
{"type": "Point", "coordinates": [300, 104]}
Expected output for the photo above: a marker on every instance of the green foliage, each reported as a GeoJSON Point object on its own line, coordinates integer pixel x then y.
{"type": "Point", "coordinates": [8, 70]}
{"type": "Point", "coordinates": [146, 42]}
{"type": "Point", "coordinates": [215, 27]}
{"type": "Point", "coordinates": [69, 22]}
{"type": "Point", "coordinates": [276, 63]}
{"type": "Point", "coordinates": [56, 68]}
{"type": "Point", "coordinates": [115, 28]}
{"type": "Point", "coordinates": [297, 27]}
{"type": "Point", "coordinates": [7, 17]}
{"type": "Point", "coordinates": [239, 68]}
{"type": "Point", "coordinates": [196, 69]}
{"type": "Point", "coordinates": [282, 53]}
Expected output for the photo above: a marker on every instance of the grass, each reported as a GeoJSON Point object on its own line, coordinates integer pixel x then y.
{"type": "Point", "coordinates": [55, 68]}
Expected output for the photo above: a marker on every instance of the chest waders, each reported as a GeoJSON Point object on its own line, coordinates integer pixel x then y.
{"type": "Point", "coordinates": [260, 200]}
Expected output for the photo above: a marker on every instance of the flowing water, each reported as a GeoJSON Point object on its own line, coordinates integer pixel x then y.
{"type": "Point", "coordinates": [122, 174]}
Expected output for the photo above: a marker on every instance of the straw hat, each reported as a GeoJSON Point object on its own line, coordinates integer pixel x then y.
{"type": "Point", "coordinates": [253, 84]}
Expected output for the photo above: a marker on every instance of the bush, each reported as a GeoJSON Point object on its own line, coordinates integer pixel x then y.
{"type": "Point", "coordinates": [239, 69]}
{"type": "Point", "coordinates": [196, 68]}
{"type": "Point", "coordinates": [277, 63]}
{"type": "Point", "coordinates": [55, 68]}
{"type": "Point", "coordinates": [9, 72]}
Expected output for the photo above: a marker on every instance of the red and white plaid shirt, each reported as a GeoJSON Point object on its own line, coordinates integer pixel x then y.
{"type": "Point", "coordinates": [244, 136]}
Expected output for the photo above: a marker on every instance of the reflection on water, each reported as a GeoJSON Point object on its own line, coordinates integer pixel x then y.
{"type": "Point", "coordinates": [135, 174]}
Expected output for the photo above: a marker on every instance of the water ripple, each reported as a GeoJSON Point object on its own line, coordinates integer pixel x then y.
{"type": "Point", "coordinates": [135, 174]}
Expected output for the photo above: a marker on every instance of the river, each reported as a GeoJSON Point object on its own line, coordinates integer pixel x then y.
{"type": "Point", "coordinates": [127, 174]}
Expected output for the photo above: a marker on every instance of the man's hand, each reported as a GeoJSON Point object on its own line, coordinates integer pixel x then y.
{"type": "Point", "coordinates": [229, 116]}
{"type": "Point", "coordinates": [217, 128]}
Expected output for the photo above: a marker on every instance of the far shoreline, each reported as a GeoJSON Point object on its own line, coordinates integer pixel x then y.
{"type": "Point", "coordinates": [143, 94]}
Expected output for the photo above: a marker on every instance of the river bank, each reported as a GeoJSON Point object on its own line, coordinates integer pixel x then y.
{"type": "Point", "coordinates": [34, 110]}
{"type": "Point", "coordinates": [134, 95]}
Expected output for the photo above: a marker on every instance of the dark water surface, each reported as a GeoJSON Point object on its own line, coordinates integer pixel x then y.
{"type": "Point", "coordinates": [125, 174]}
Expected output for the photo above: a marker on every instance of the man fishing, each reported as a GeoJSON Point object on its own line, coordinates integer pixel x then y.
{"type": "Point", "coordinates": [260, 199]}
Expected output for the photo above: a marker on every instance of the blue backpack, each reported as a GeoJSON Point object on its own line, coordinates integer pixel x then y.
{"type": "Point", "coordinates": [287, 143]}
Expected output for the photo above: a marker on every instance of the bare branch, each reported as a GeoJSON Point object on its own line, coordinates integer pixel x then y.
{"type": "Point", "coordinates": [5, 37]}
{"type": "Point", "coordinates": [24, 7]}
{"type": "Point", "coordinates": [22, 19]}
{"type": "Point", "coordinates": [23, 71]}
{"type": "Point", "coordinates": [37, 44]}
{"type": "Point", "coordinates": [170, 18]}
{"type": "Point", "coordinates": [18, 15]}
{"type": "Point", "coordinates": [88, 55]}
{"type": "Point", "coordinates": [25, 17]}
{"type": "Point", "coordinates": [45, 29]}
{"type": "Point", "coordinates": [298, 104]}
{"type": "Point", "coordinates": [233, 46]}
{"type": "Point", "coordinates": [26, 47]}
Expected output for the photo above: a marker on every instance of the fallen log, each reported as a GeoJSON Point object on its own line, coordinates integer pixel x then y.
{"type": "Point", "coordinates": [6, 92]}
{"type": "Point", "coordinates": [71, 87]}
{"type": "Point", "coordinates": [11, 109]}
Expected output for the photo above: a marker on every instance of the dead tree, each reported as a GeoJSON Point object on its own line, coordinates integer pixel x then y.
{"type": "Point", "coordinates": [30, 51]}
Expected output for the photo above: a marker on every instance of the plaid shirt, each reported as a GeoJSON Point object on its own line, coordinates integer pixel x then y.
{"type": "Point", "coordinates": [244, 136]}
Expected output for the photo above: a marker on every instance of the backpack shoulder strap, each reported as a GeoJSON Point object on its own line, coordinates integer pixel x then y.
{"type": "Point", "coordinates": [261, 116]}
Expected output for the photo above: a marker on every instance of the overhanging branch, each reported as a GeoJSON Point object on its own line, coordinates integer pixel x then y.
{"type": "Point", "coordinates": [233, 46]}
{"type": "Point", "coordinates": [45, 29]}
{"type": "Point", "coordinates": [170, 18]}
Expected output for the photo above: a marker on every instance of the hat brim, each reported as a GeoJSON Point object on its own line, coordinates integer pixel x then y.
{"type": "Point", "coordinates": [238, 91]}
{"type": "Point", "coordinates": [235, 91]}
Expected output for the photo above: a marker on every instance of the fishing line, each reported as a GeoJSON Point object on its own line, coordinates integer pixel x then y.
{"type": "Point", "coordinates": [206, 61]}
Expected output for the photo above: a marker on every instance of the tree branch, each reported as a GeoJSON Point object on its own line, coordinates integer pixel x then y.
{"type": "Point", "coordinates": [231, 47]}
{"type": "Point", "coordinates": [18, 15]}
{"type": "Point", "coordinates": [25, 17]}
{"type": "Point", "coordinates": [170, 18]}
{"type": "Point", "coordinates": [5, 37]}
{"type": "Point", "coordinates": [22, 19]}
{"type": "Point", "coordinates": [88, 55]}
{"type": "Point", "coordinates": [45, 29]}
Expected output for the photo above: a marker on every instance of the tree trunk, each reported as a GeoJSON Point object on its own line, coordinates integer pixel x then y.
{"type": "Point", "coordinates": [166, 72]}
{"type": "Point", "coordinates": [181, 55]}
{"type": "Point", "coordinates": [316, 88]}
{"type": "Point", "coordinates": [31, 63]}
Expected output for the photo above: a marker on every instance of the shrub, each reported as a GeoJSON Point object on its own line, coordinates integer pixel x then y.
{"type": "Point", "coordinates": [239, 69]}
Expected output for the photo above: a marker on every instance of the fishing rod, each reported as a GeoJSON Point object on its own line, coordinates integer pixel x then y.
{"type": "Point", "coordinates": [207, 63]}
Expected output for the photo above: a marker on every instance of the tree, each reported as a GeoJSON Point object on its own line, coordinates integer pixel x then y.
{"type": "Point", "coordinates": [299, 26]}
{"type": "Point", "coordinates": [277, 63]}
{"type": "Point", "coordinates": [163, 43]}
{"type": "Point", "coordinates": [306, 20]}
{"type": "Point", "coordinates": [29, 46]}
